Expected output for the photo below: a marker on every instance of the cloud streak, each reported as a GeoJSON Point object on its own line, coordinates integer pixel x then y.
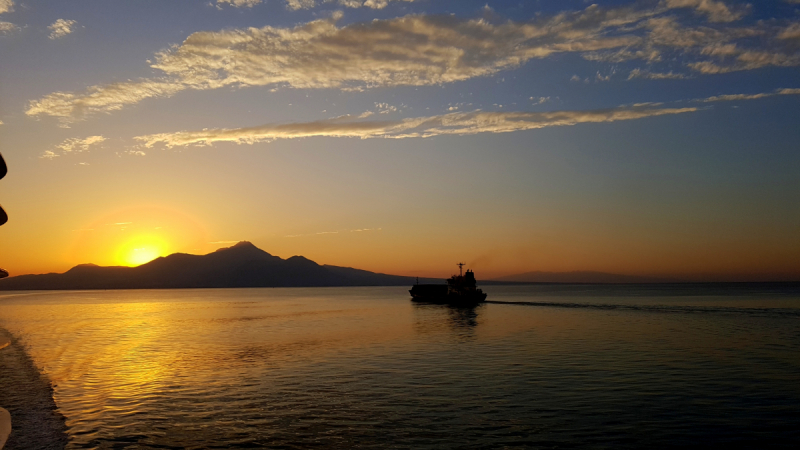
{"type": "Point", "coordinates": [239, 3]}
{"type": "Point", "coordinates": [716, 11]}
{"type": "Point", "coordinates": [639, 73]}
{"type": "Point", "coordinates": [373, 4]}
{"type": "Point", "coordinates": [102, 99]}
{"type": "Point", "coordinates": [456, 123]}
{"type": "Point", "coordinates": [420, 127]}
{"type": "Point", "coordinates": [419, 50]}
{"type": "Point", "coordinates": [735, 97]}
{"type": "Point", "coordinates": [411, 50]}
{"type": "Point", "coordinates": [360, 230]}
{"type": "Point", "coordinates": [73, 145]}
{"type": "Point", "coordinates": [294, 5]}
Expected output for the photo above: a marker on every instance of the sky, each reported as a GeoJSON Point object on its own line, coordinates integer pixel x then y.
{"type": "Point", "coordinates": [653, 137]}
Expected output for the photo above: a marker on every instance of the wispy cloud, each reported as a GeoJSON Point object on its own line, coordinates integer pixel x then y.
{"type": "Point", "coordinates": [311, 234]}
{"type": "Point", "coordinates": [294, 5]}
{"type": "Point", "coordinates": [792, 32]}
{"type": "Point", "coordinates": [419, 50]}
{"type": "Point", "coordinates": [716, 11]}
{"type": "Point", "coordinates": [420, 127]}
{"type": "Point", "coordinates": [107, 98]}
{"type": "Point", "coordinates": [374, 4]}
{"type": "Point", "coordinates": [385, 108]}
{"type": "Point", "coordinates": [411, 50]}
{"type": "Point", "coordinates": [7, 28]}
{"type": "Point", "coordinates": [61, 28]}
{"type": "Point", "coordinates": [6, 6]}
{"type": "Point", "coordinates": [639, 73]}
{"type": "Point", "coordinates": [239, 3]}
{"type": "Point", "coordinates": [360, 230]}
{"type": "Point", "coordinates": [73, 145]}
{"type": "Point", "coordinates": [746, 60]}
{"type": "Point", "coordinates": [455, 123]}
{"type": "Point", "coordinates": [734, 97]}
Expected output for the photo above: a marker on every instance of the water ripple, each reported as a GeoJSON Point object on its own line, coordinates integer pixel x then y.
{"type": "Point", "coordinates": [779, 312]}
{"type": "Point", "coordinates": [366, 368]}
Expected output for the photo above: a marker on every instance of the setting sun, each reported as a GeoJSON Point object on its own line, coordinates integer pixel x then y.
{"type": "Point", "coordinates": [136, 235]}
{"type": "Point", "coordinates": [141, 249]}
{"type": "Point", "coordinates": [142, 255]}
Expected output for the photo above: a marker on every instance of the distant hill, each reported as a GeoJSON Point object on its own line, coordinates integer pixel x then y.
{"type": "Point", "coordinates": [578, 277]}
{"type": "Point", "coordinates": [243, 265]}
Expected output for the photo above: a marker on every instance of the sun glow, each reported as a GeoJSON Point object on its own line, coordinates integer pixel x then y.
{"type": "Point", "coordinates": [137, 235]}
{"type": "Point", "coordinates": [141, 249]}
{"type": "Point", "coordinates": [142, 255]}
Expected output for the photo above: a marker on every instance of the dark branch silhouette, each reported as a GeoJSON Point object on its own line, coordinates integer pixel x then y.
{"type": "Point", "coordinates": [3, 215]}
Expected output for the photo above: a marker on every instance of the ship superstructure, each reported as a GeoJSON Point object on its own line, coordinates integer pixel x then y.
{"type": "Point", "coordinates": [461, 289]}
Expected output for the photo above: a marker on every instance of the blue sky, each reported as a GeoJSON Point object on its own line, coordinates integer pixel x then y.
{"type": "Point", "coordinates": [651, 137]}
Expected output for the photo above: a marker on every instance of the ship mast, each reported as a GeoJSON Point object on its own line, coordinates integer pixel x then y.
{"type": "Point", "coordinates": [460, 269]}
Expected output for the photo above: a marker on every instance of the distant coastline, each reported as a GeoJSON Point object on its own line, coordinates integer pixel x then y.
{"type": "Point", "coordinates": [240, 266]}
{"type": "Point", "coordinates": [246, 266]}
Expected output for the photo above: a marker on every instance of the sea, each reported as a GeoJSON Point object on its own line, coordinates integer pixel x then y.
{"type": "Point", "coordinates": [538, 366]}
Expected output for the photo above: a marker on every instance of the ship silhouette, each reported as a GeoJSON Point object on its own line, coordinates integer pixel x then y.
{"type": "Point", "coordinates": [460, 289]}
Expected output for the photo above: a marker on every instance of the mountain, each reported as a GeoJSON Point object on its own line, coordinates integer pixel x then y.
{"type": "Point", "coordinates": [243, 265]}
{"type": "Point", "coordinates": [578, 277]}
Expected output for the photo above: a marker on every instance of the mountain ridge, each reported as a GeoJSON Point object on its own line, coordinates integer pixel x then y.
{"type": "Point", "coordinates": [241, 265]}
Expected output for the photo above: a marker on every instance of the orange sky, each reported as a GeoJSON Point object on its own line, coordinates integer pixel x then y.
{"type": "Point", "coordinates": [130, 236]}
{"type": "Point", "coordinates": [404, 137]}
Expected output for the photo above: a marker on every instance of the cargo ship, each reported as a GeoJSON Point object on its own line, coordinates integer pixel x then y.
{"type": "Point", "coordinates": [460, 289]}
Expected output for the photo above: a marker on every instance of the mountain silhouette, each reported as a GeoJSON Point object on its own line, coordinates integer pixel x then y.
{"type": "Point", "coordinates": [242, 265]}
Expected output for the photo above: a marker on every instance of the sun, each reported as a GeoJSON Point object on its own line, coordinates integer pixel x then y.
{"type": "Point", "coordinates": [142, 255]}
{"type": "Point", "coordinates": [141, 249]}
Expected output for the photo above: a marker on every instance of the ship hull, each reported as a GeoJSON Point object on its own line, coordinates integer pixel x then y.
{"type": "Point", "coordinates": [435, 293]}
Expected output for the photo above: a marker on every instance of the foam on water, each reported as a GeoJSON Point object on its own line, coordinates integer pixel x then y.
{"type": "Point", "coordinates": [364, 367]}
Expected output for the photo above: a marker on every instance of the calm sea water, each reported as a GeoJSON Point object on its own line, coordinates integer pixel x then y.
{"type": "Point", "coordinates": [564, 366]}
